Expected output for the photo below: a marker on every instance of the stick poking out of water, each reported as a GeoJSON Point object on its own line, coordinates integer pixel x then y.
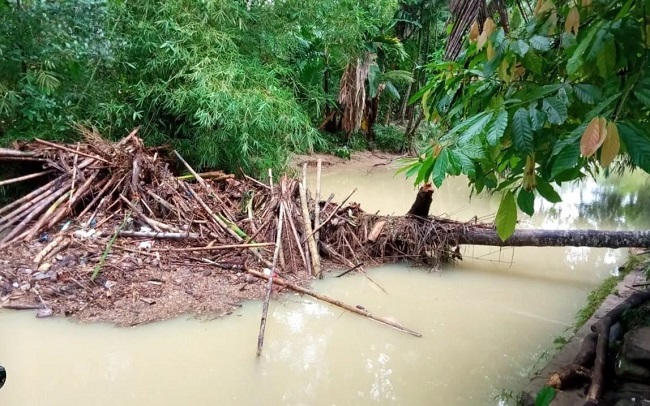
{"type": "Point", "coordinates": [358, 310]}
{"type": "Point", "coordinates": [269, 285]}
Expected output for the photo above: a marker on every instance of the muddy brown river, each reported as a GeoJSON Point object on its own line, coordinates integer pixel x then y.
{"type": "Point", "coordinates": [486, 321]}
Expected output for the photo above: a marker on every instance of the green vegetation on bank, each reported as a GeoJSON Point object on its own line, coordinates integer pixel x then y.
{"type": "Point", "coordinates": [598, 295]}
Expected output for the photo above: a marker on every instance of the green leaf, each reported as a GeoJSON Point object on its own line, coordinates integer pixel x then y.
{"type": "Point", "coordinates": [545, 396]}
{"type": "Point", "coordinates": [466, 164]}
{"type": "Point", "coordinates": [643, 95]}
{"type": "Point", "coordinates": [566, 159]}
{"type": "Point", "coordinates": [497, 127]}
{"type": "Point", "coordinates": [506, 218]}
{"type": "Point", "coordinates": [575, 62]}
{"type": "Point", "coordinates": [522, 133]}
{"type": "Point", "coordinates": [520, 48]}
{"type": "Point", "coordinates": [533, 63]}
{"type": "Point", "coordinates": [540, 43]}
{"type": "Point", "coordinates": [390, 88]}
{"type": "Point", "coordinates": [440, 168]}
{"type": "Point", "coordinates": [637, 142]}
{"type": "Point", "coordinates": [425, 169]}
{"type": "Point", "coordinates": [547, 191]}
{"type": "Point", "coordinates": [526, 201]}
{"type": "Point", "coordinates": [587, 93]}
{"type": "Point", "coordinates": [606, 60]}
{"type": "Point", "coordinates": [476, 128]}
{"type": "Point", "coordinates": [537, 117]}
{"type": "Point", "coordinates": [555, 110]}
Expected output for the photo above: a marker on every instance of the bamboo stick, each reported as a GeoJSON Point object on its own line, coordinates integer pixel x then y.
{"type": "Point", "coordinates": [26, 177]}
{"type": "Point", "coordinates": [192, 171]}
{"type": "Point", "coordinates": [8, 152]}
{"type": "Point", "coordinates": [327, 220]}
{"type": "Point", "coordinates": [218, 247]}
{"type": "Point", "coordinates": [72, 151]}
{"type": "Point", "coordinates": [317, 204]}
{"type": "Point", "coordinates": [311, 242]}
{"type": "Point", "coordinates": [44, 218]}
{"type": "Point", "coordinates": [353, 309]}
{"type": "Point", "coordinates": [33, 213]}
{"type": "Point", "coordinates": [36, 193]}
{"type": "Point", "coordinates": [296, 237]}
{"type": "Point", "coordinates": [269, 286]}
{"type": "Point", "coordinates": [63, 209]}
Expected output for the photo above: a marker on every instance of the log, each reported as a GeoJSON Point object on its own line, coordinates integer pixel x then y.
{"type": "Point", "coordinates": [556, 238]}
{"type": "Point", "coordinates": [577, 371]}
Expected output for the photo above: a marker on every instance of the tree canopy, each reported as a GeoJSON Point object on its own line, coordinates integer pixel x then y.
{"type": "Point", "coordinates": [557, 94]}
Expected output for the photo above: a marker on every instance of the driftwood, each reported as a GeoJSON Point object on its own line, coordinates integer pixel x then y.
{"type": "Point", "coordinates": [338, 303]}
{"type": "Point", "coordinates": [593, 351]}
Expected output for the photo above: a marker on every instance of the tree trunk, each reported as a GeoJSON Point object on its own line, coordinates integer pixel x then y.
{"type": "Point", "coordinates": [557, 238]}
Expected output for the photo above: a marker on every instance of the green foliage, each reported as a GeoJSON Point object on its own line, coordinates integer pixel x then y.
{"type": "Point", "coordinates": [545, 396]}
{"type": "Point", "coordinates": [518, 108]}
{"type": "Point", "coordinates": [506, 218]}
{"type": "Point", "coordinates": [231, 84]}
{"type": "Point", "coordinates": [389, 138]}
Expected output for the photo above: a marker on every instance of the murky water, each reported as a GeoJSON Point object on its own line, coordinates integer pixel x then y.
{"type": "Point", "coordinates": [485, 321]}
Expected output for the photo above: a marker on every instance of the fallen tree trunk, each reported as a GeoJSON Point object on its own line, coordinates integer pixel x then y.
{"type": "Point", "coordinates": [557, 238]}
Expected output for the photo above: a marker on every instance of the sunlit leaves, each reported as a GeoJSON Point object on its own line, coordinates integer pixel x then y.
{"type": "Point", "coordinates": [488, 28]}
{"type": "Point", "coordinates": [520, 47]}
{"type": "Point", "coordinates": [522, 133]}
{"type": "Point", "coordinates": [593, 137]}
{"type": "Point", "coordinates": [506, 218]}
{"type": "Point", "coordinates": [611, 145]}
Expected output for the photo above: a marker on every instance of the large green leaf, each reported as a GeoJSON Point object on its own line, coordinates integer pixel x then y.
{"type": "Point", "coordinates": [587, 93]}
{"type": "Point", "coordinates": [556, 111]}
{"type": "Point", "coordinates": [506, 218]}
{"type": "Point", "coordinates": [540, 43]}
{"type": "Point", "coordinates": [475, 128]}
{"type": "Point", "coordinates": [545, 396]}
{"type": "Point", "coordinates": [575, 62]}
{"type": "Point", "coordinates": [637, 142]}
{"type": "Point", "coordinates": [547, 191]}
{"type": "Point", "coordinates": [537, 117]}
{"type": "Point", "coordinates": [522, 133]}
{"type": "Point", "coordinates": [497, 127]}
{"type": "Point", "coordinates": [566, 159]}
{"type": "Point", "coordinates": [520, 47]}
{"type": "Point", "coordinates": [440, 168]}
{"type": "Point", "coordinates": [526, 201]}
{"type": "Point", "coordinates": [466, 164]}
{"type": "Point", "coordinates": [643, 95]}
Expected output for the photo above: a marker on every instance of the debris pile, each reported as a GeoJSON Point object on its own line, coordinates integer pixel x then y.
{"type": "Point", "coordinates": [111, 234]}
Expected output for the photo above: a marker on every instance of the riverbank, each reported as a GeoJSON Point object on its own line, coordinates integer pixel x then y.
{"type": "Point", "coordinates": [622, 291]}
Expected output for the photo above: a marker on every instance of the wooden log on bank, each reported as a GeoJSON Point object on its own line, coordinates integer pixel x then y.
{"type": "Point", "coordinates": [557, 238]}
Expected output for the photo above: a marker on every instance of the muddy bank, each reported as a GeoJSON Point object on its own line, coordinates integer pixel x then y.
{"type": "Point", "coordinates": [577, 393]}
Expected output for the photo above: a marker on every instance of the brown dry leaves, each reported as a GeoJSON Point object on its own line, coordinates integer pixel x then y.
{"type": "Point", "coordinates": [593, 137]}
{"type": "Point", "coordinates": [572, 22]}
{"type": "Point", "coordinates": [600, 132]}
{"type": "Point", "coordinates": [611, 145]}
